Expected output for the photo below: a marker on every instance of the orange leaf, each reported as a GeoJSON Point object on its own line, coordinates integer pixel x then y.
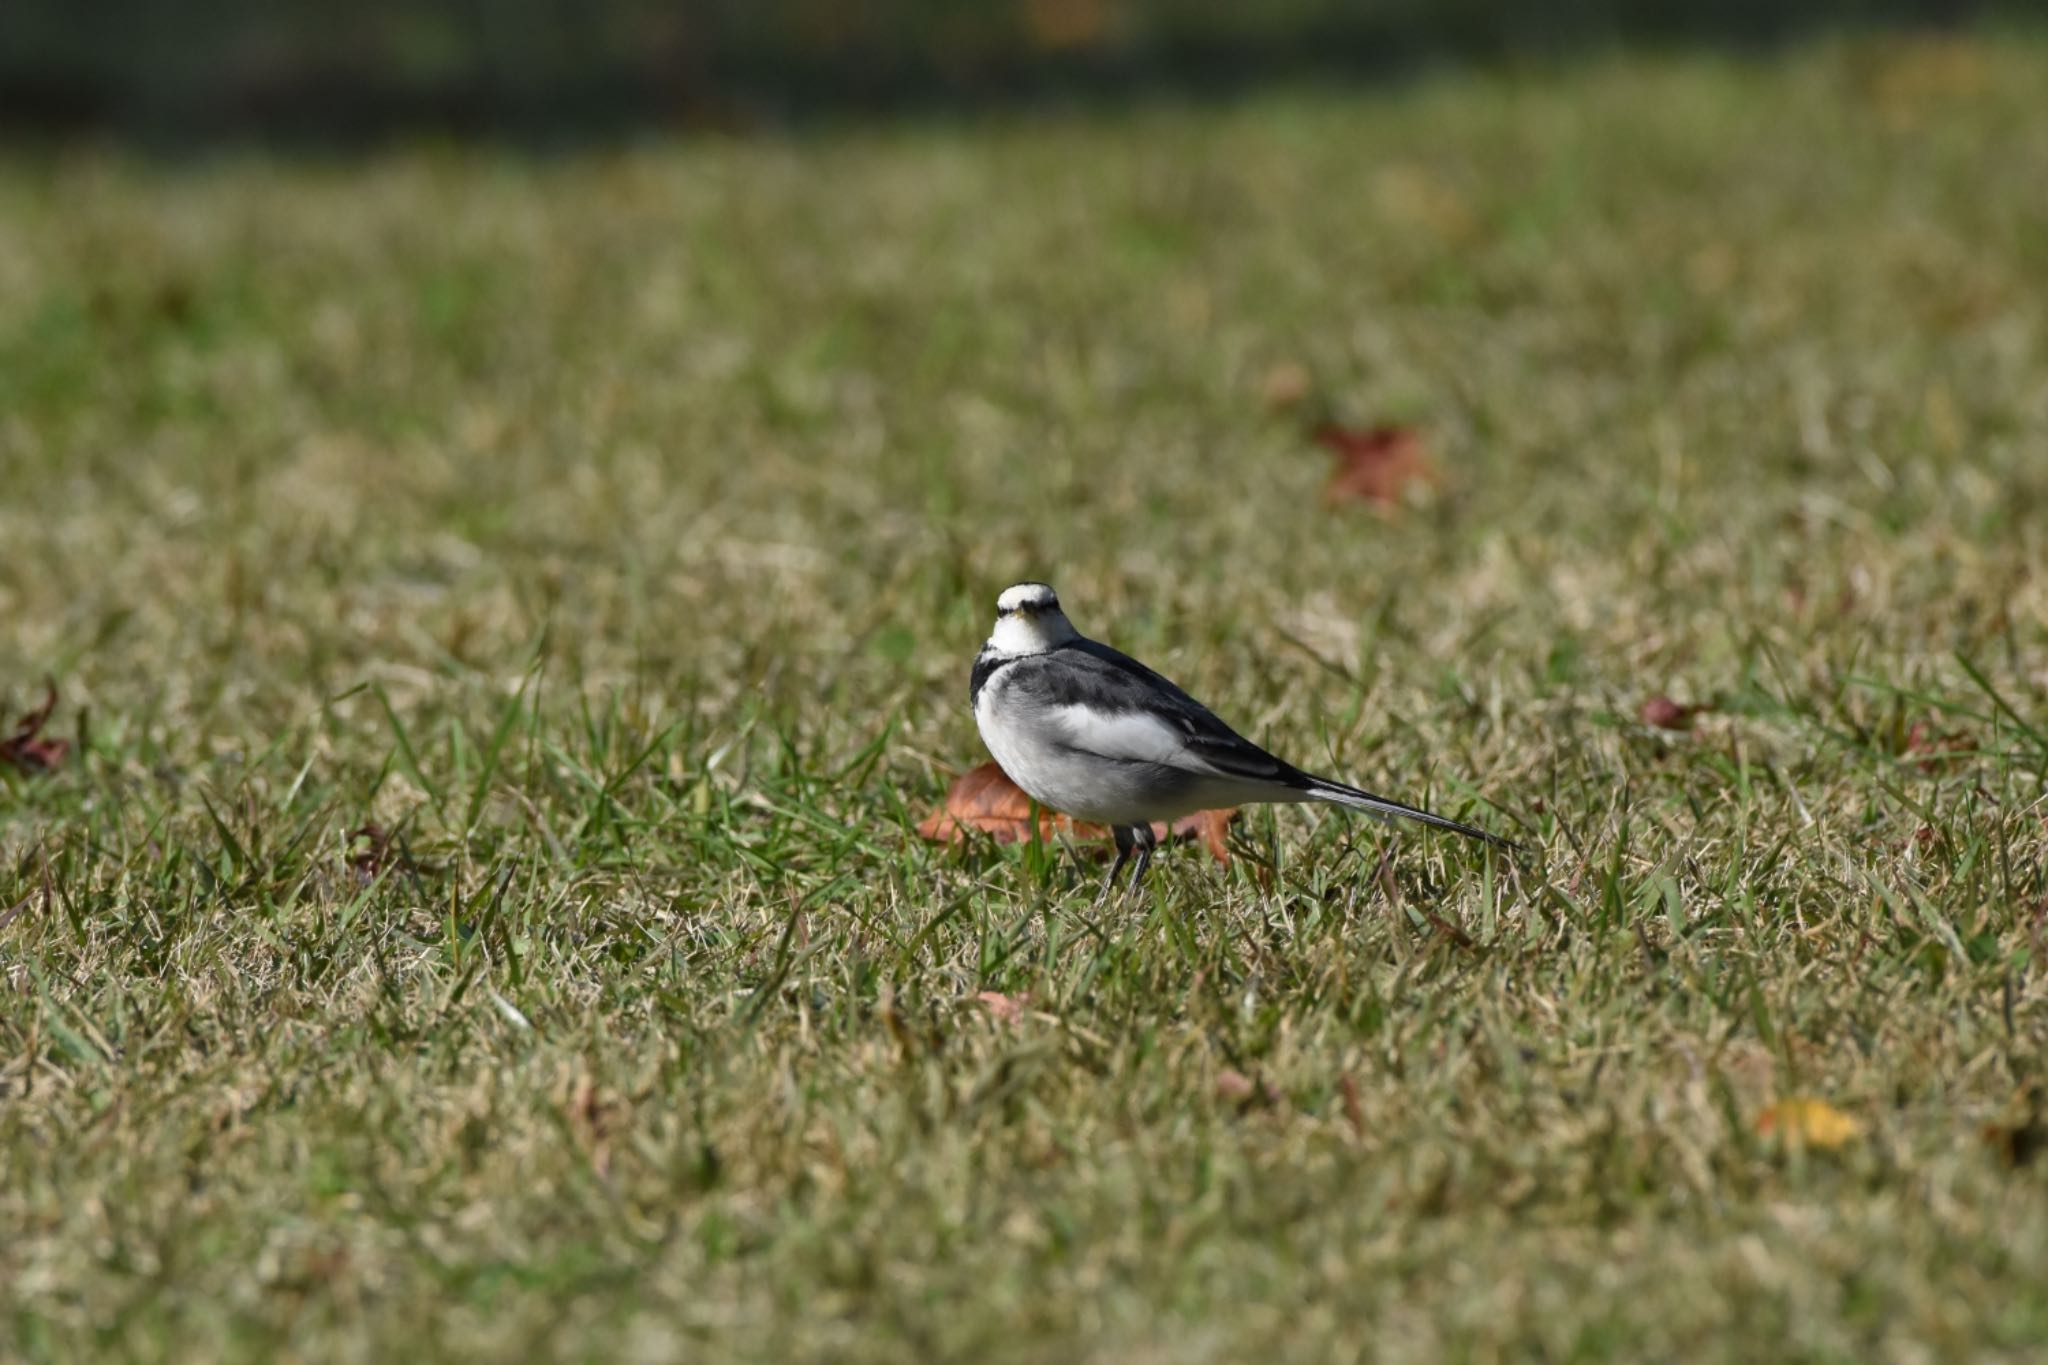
{"type": "Point", "coordinates": [1210, 826]}
{"type": "Point", "coordinates": [1815, 1123]}
{"type": "Point", "coordinates": [985, 800]}
{"type": "Point", "coordinates": [1376, 465]}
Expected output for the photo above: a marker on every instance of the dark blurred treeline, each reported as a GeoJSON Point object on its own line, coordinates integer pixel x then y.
{"type": "Point", "coordinates": [351, 70]}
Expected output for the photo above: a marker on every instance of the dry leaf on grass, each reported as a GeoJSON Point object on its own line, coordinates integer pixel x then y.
{"type": "Point", "coordinates": [984, 799]}
{"type": "Point", "coordinates": [1004, 1009]}
{"type": "Point", "coordinates": [1666, 714]}
{"type": "Point", "coordinates": [1935, 746]}
{"type": "Point", "coordinates": [1376, 465]}
{"type": "Point", "coordinates": [26, 748]}
{"type": "Point", "coordinates": [1815, 1123]}
{"type": "Point", "coordinates": [1210, 827]}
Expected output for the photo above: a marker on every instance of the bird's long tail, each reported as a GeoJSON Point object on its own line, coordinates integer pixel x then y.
{"type": "Point", "coordinates": [1337, 794]}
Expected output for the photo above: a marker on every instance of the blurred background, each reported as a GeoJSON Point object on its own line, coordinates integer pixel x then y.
{"type": "Point", "coordinates": [339, 70]}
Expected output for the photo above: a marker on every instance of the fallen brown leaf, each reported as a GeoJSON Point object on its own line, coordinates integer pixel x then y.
{"type": "Point", "coordinates": [1666, 714]}
{"type": "Point", "coordinates": [1376, 465]}
{"type": "Point", "coordinates": [26, 748]}
{"type": "Point", "coordinates": [985, 800]}
{"type": "Point", "coordinates": [1815, 1123]}
{"type": "Point", "coordinates": [1006, 1009]}
{"type": "Point", "coordinates": [1935, 746]}
{"type": "Point", "coordinates": [1211, 827]}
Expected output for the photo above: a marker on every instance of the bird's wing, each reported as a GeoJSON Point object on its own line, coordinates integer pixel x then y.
{"type": "Point", "coordinates": [1110, 705]}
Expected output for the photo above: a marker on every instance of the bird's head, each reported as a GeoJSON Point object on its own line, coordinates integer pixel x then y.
{"type": "Point", "coordinates": [1028, 621]}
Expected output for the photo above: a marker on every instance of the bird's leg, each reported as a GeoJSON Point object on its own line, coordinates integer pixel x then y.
{"type": "Point", "coordinates": [1124, 843]}
{"type": "Point", "coordinates": [1146, 841]}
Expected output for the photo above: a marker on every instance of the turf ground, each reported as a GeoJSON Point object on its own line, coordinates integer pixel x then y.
{"type": "Point", "coordinates": [612, 532]}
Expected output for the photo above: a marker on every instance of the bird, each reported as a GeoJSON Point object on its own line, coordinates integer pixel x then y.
{"type": "Point", "coordinates": [1092, 733]}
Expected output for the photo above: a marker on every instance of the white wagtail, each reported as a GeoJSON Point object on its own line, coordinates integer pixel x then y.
{"type": "Point", "coordinates": [1095, 734]}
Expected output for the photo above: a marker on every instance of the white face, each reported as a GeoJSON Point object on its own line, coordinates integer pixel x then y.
{"type": "Point", "coordinates": [1028, 621]}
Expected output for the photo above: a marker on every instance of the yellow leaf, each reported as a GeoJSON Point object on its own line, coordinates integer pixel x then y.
{"type": "Point", "coordinates": [1815, 1123]}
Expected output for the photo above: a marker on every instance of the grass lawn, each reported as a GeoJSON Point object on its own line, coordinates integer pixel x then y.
{"type": "Point", "coordinates": [613, 532]}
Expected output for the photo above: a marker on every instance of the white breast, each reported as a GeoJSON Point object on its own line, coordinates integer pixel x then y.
{"type": "Point", "coordinates": [1121, 769]}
